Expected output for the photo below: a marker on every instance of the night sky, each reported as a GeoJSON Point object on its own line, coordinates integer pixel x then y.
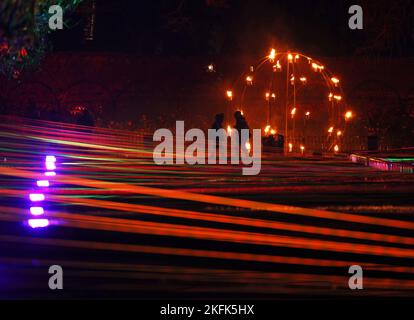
{"type": "Point", "coordinates": [217, 27]}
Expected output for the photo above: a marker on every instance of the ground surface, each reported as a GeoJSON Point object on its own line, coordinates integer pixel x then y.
{"type": "Point", "coordinates": [121, 226]}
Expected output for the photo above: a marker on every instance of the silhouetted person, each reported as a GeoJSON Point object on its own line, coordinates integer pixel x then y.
{"type": "Point", "coordinates": [86, 119]}
{"type": "Point", "coordinates": [218, 122]}
{"type": "Point", "coordinates": [241, 122]}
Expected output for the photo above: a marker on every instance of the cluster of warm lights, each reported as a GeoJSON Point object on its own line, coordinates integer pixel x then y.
{"type": "Point", "coordinates": [268, 130]}
{"type": "Point", "coordinates": [335, 81]}
{"type": "Point", "coordinates": [317, 67]}
{"type": "Point", "coordinates": [334, 97]}
{"type": "Point", "coordinates": [268, 95]}
{"type": "Point", "coordinates": [277, 66]}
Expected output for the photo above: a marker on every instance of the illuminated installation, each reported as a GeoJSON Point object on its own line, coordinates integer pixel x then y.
{"type": "Point", "coordinates": [37, 198]}
{"type": "Point", "coordinates": [302, 97]}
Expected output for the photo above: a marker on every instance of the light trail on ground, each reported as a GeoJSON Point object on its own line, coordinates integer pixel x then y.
{"type": "Point", "coordinates": [109, 200]}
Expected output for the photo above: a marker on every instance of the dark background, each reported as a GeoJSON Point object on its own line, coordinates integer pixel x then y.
{"type": "Point", "coordinates": [213, 27]}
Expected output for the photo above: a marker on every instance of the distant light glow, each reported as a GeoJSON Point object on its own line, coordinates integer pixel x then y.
{"type": "Point", "coordinates": [267, 129]}
{"type": "Point", "coordinates": [50, 174]}
{"type": "Point", "coordinates": [272, 55]}
{"type": "Point", "coordinates": [229, 94]}
{"type": "Point", "coordinates": [248, 146]}
{"type": "Point", "coordinates": [335, 80]}
{"type": "Point", "coordinates": [348, 115]}
{"type": "Point", "coordinates": [331, 129]}
{"type": "Point", "coordinates": [37, 211]}
{"type": "Point", "coordinates": [38, 223]}
{"type": "Point", "coordinates": [273, 132]}
{"type": "Point", "coordinates": [43, 183]}
{"type": "Point", "coordinates": [35, 197]}
{"type": "Point", "coordinates": [290, 147]}
{"type": "Point", "coordinates": [336, 148]}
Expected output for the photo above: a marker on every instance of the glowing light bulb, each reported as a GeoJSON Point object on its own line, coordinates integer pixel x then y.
{"type": "Point", "coordinates": [290, 57]}
{"type": "Point", "coordinates": [38, 223]}
{"type": "Point", "coordinates": [36, 197]}
{"type": "Point", "coordinates": [43, 183]}
{"type": "Point", "coordinates": [267, 95]}
{"type": "Point", "coordinates": [273, 96]}
{"type": "Point", "coordinates": [338, 98]}
{"type": "Point", "coordinates": [330, 96]}
{"type": "Point", "coordinates": [50, 159]}
{"type": "Point", "coordinates": [249, 80]}
{"type": "Point", "coordinates": [339, 133]}
{"type": "Point", "coordinates": [316, 67]}
{"type": "Point", "coordinates": [307, 114]}
{"type": "Point", "coordinates": [273, 132]}
{"type": "Point", "coordinates": [229, 94]}
{"type": "Point", "coordinates": [331, 129]}
{"type": "Point", "coordinates": [303, 79]}
{"type": "Point", "coordinates": [348, 115]}
{"type": "Point", "coordinates": [210, 67]}
{"type": "Point", "coordinates": [335, 81]}
{"type": "Point", "coordinates": [50, 166]}
{"type": "Point", "coordinates": [229, 129]}
{"type": "Point", "coordinates": [290, 147]}
{"type": "Point", "coordinates": [248, 146]}
{"type": "Point", "coordinates": [336, 148]}
{"type": "Point", "coordinates": [293, 112]}
{"type": "Point", "coordinates": [37, 211]}
{"type": "Point", "coordinates": [267, 129]}
{"type": "Point", "coordinates": [272, 55]}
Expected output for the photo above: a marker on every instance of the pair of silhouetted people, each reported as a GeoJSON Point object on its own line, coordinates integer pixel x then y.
{"type": "Point", "coordinates": [240, 124]}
